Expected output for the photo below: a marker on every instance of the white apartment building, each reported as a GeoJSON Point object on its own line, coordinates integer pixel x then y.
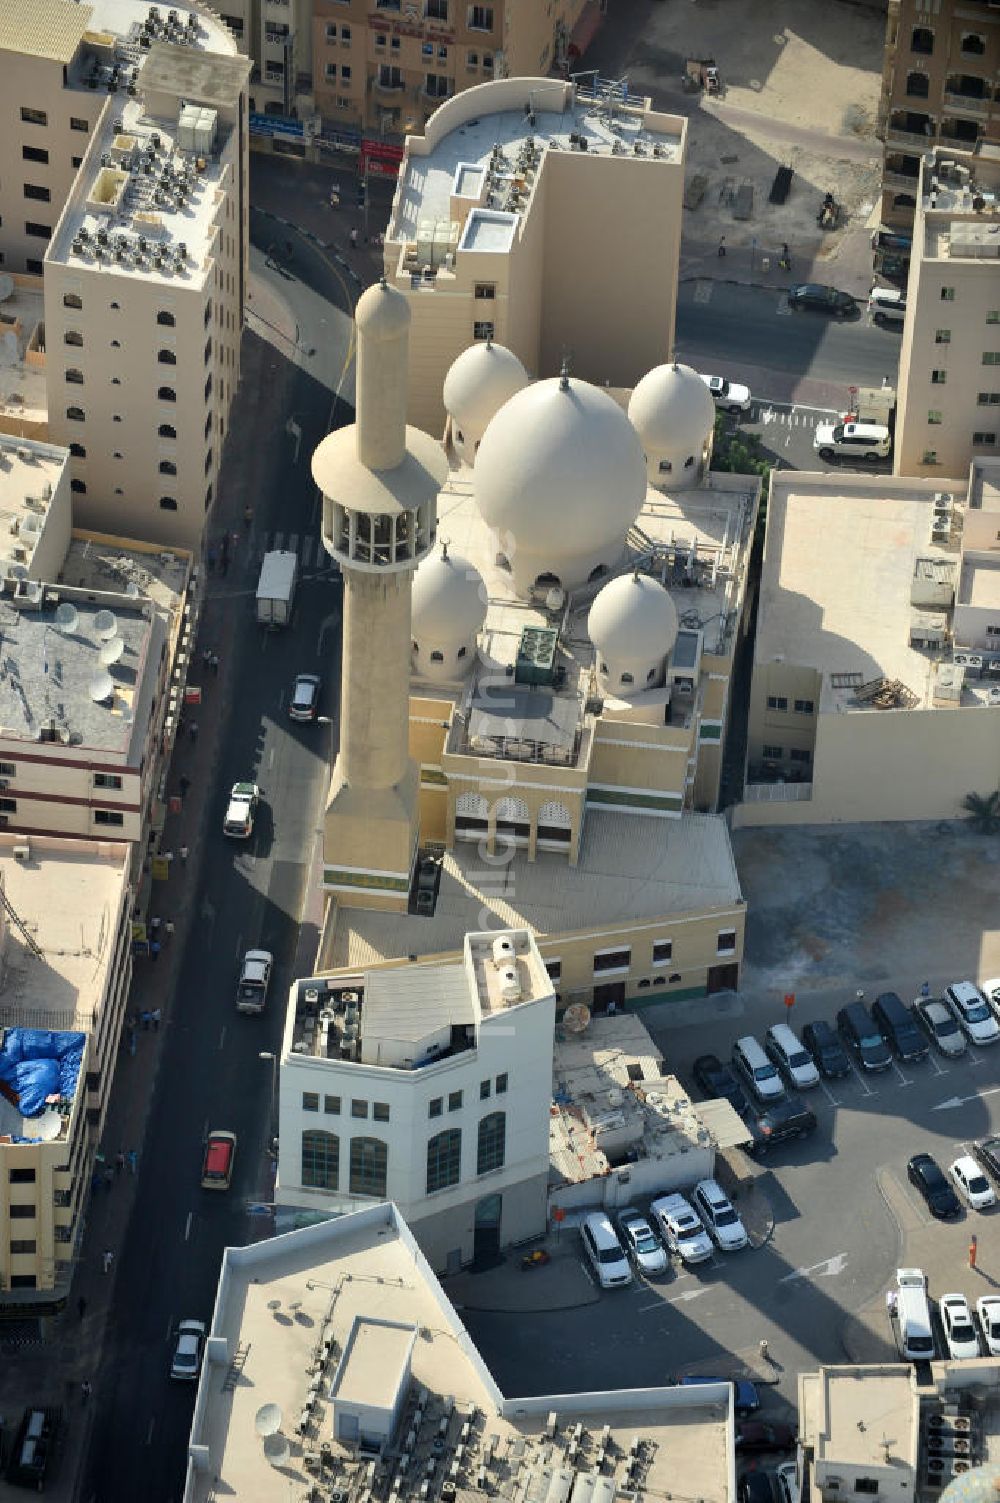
{"type": "Point", "coordinates": [67, 960]}
{"type": "Point", "coordinates": [129, 149]}
{"type": "Point", "coordinates": [948, 406]}
{"type": "Point", "coordinates": [97, 632]}
{"type": "Point", "coordinates": [334, 1355]}
{"type": "Point", "coordinates": [427, 1085]}
{"type": "Point", "coordinates": [545, 218]}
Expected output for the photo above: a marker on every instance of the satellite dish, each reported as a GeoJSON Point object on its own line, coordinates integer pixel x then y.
{"type": "Point", "coordinates": [267, 1420]}
{"type": "Point", "coordinates": [276, 1449]}
{"type": "Point", "coordinates": [105, 625]}
{"type": "Point", "coordinates": [47, 1127]}
{"type": "Point", "coordinates": [111, 651]}
{"type": "Point", "coordinates": [17, 571]}
{"type": "Point", "coordinates": [576, 1017]}
{"type": "Point", "coordinates": [102, 687]}
{"type": "Point", "coordinates": [67, 617]}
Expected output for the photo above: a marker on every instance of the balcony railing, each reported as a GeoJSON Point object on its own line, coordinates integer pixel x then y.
{"type": "Point", "coordinates": [896, 135]}
{"type": "Point", "coordinates": [970, 103]}
{"type": "Point", "coordinates": [387, 86]}
{"type": "Point", "coordinates": [777, 793]}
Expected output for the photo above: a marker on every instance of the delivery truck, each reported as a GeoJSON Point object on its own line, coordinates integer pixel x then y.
{"type": "Point", "coordinates": [276, 588]}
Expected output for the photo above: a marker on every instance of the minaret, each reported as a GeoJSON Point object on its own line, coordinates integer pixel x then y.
{"type": "Point", "coordinates": [380, 481]}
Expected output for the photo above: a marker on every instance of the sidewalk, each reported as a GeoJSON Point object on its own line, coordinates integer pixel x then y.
{"type": "Point", "coordinates": [845, 261]}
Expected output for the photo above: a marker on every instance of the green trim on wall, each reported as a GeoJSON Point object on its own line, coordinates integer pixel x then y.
{"type": "Point", "coordinates": [334, 878]}
{"type": "Point", "coordinates": [616, 797]}
{"type": "Point", "coordinates": [710, 732]}
{"type": "Point", "coordinates": [433, 775]}
{"type": "Point", "coordinates": [664, 994]}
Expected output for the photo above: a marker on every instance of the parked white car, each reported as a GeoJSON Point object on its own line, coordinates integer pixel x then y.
{"type": "Point", "coordinates": [973, 1012]}
{"type": "Point", "coordinates": [959, 1332]}
{"type": "Point", "coordinates": [792, 1059]}
{"type": "Point", "coordinates": [641, 1242]}
{"type": "Point", "coordinates": [681, 1229]}
{"type": "Point", "coordinates": [186, 1363]}
{"type": "Point", "coordinates": [729, 396]}
{"type": "Point", "coordinates": [972, 1183]}
{"type": "Point", "coordinates": [991, 991]}
{"type": "Point", "coordinates": [786, 1482]}
{"type": "Point", "coordinates": [988, 1310]}
{"type": "Point", "coordinates": [857, 441]}
{"type": "Point", "coordinates": [604, 1251]}
{"type": "Point", "coordinates": [721, 1222]}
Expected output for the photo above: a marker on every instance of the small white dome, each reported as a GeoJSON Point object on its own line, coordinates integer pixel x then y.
{"type": "Point", "coordinates": [562, 470]}
{"type": "Point", "coordinates": [449, 599]}
{"type": "Point", "coordinates": [671, 408]}
{"type": "Point", "coordinates": [478, 383]}
{"type": "Point", "coordinates": [632, 619]}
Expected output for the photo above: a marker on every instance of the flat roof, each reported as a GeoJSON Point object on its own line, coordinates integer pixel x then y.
{"type": "Point", "coordinates": [23, 392]}
{"type": "Point", "coordinates": [289, 1305]}
{"type": "Point", "coordinates": [837, 574]}
{"type": "Point", "coordinates": [30, 472]}
{"type": "Point", "coordinates": [373, 1363]}
{"type": "Point", "coordinates": [43, 28]}
{"type": "Point", "coordinates": [55, 677]}
{"type": "Point", "coordinates": [95, 561]}
{"type": "Point", "coordinates": [209, 76]}
{"type": "Point", "coordinates": [427, 181]}
{"type": "Point", "coordinates": [850, 1398]}
{"type": "Point", "coordinates": [630, 868]}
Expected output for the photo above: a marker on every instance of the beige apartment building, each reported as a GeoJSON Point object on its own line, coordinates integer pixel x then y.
{"type": "Point", "coordinates": [545, 218]}
{"type": "Point", "coordinates": [948, 403]}
{"type": "Point", "coordinates": [97, 644]}
{"type": "Point", "coordinates": [131, 157]}
{"type": "Point", "coordinates": [876, 676]}
{"type": "Point", "coordinates": [940, 87]}
{"type": "Point", "coordinates": [386, 65]}
{"type": "Point", "coordinates": [66, 950]}
{"type": "Point", "coordinates": [277, 36]}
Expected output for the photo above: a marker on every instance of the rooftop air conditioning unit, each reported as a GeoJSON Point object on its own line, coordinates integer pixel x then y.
{"type": "Point", "coordinates": [22, 852]}
{"type": "Point", "coordinates": [967, 659]}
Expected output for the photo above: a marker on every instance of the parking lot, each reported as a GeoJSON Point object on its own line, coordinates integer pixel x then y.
{"type": "Point", "coordinates": [844, 1215]}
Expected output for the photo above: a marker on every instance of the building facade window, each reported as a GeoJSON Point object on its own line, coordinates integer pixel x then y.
{"type": "Point", "coordinates": [166, 357]}
{"type": "Point", "coordinates": [74, 377]}
{"type": "Point", "coordinates": [380, 1111]}
{"type": "Point", "coordinates": [310, 1101]}
{"type": "Point", "coordinates": [480, 18]}
{"type": "Point", "coordinates": [78, 451]}
{"type": "Point", "coordinates": [167, 503]}
{"type": "Point", "coordinates": [984, 440]}
{"type": "Point", "coordinates": [947, 294]}
{"type": "Point", "coordinates": [75, 123]}
{"type": "Point", "coordinates": [777, 702]}
{"type": "Point", "coordinates": [76, 414]}
{"type": "Point", "coordinates": [612, 960]}
{"type": "Point", "coordinates": [444, 1159]}
{"type": "Point", "coordinates": [37, 192]}
{"type": "Point", "coordinates": [33, 117]}
{"type": "Point", "coordinates": [109, 817]}
{"type": "Point", "coordinates": [938, 377]}
{"type": "Point", "coordinates": [37, 231]}
{"type": "Point", "coordinates": [935, 416]}
{"type": "Point", "coordinates": [501, 1084]}
{"type": "Point", "coordinates": [805, 706]}
{"type": "Point", "coordinates": [991, 357]}
{"type": "Point", "coordinates": [331, 1106]}
{"type": "Point", "coordinates": [166, 319]}
{"type": "Point", "coordinates": [359, 1109]}
{"type": "Point", "coordinates": [485, 1088]}
{"type": "Point", "coordinates": [72, 300]}
{"type": "Point", "coordinates": [989, 399]}
{"type": "Point", "coordinates": [166, 430]}
{"type": "Point", "coordinates": [772, 753]}
{"type": "Point", "coordinates": [320, 1159]}
{"type": "Point", "coordinates": [726, 942]}
{"type": "Point", "coordinates": [78, 487]}
{"type": "Point", "coordinates": [483, 328]}
{"type": "Point", "coordinates": [800, 754]}
{"type": "Point", "coordinates": [167, 467]}
{"type": "Point", "coordinates": [166, 394]}
{"type": "Point", "coordinates": [369, 1167]}
{"type": "Point", "coordinates": [21, 1176]}
{"type": "Point", "coordinates": [107, 780]}
{"type": "Point", "coordinates": [435, 1106]}
{"type": "Point", "coordinates": [663, 950]}
{"type": "Point", "coordinates": [34, 154]}
{"type": "Point", "coordinates": [454, 1101]}
{"type": "Point", "coordinates": [942, 336]}
{"type": "Point", "coordinates": [491, 1147]}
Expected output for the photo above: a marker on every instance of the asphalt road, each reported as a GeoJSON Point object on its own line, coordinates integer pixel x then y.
{"type": "Point", "coordinates": [749, 333]}
{"type": "Point", "coordinates": [246, 895]}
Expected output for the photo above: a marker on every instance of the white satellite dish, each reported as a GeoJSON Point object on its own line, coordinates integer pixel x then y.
{"type": "Point", "coordinates": [576, 1017]}
{"type": "Point", "coordinates": [276, 1449]}
{"type": "Point", "coordinates": [102, 687]}
{"type": "Point", "coordinates": [47, 1127]}
{"type": "Point", "coordinates": [105, 625]}
{"type": "Point", "coordinates": [267, 1420]}
{"type": "Point", "coordinates": [67, 617]}
{"type": "Point", "coordinates": [111, 651]}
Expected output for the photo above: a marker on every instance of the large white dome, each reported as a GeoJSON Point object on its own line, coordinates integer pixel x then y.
{"type": "Point", "coordinates": [449, 599]}
{"type": "Point", "coordinates": [632, 618]}
{"type": "Point", "coordinates": [671, 408]}
{"type": "Point", "coordinates": [478, 383]}
{"type": "Point", "coordinates": [561, 469]}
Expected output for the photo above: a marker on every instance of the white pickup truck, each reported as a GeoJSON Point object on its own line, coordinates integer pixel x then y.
{"type": "Point", "coordinates": [251, 993]}
{"type": "Point", "coordinates": [241, 811]}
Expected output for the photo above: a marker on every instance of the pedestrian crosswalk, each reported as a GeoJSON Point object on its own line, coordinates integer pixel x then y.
{"type": "Point", "coordinates": [787, 415]}
{"type": "Point", "coordinates": [313, 557]}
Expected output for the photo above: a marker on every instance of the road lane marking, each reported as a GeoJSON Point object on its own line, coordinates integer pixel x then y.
{"type": "Point", "coordinates": [222, 1037]}
{"type": "Point", "coordinates": [828, 1269]}
{"type": "Point", "coordinates": [187, 1226]}
{"type": "Point", "coordinates": [149, 1432]}
{"type": "Point", "coordinates": [864, 1084]}
{"type": "Point", "coordinates": [954, 1101]}
{"type": "Point", "coordinates": [829, 1094]}
{"type": "Point", "coordinates": [689, 1294]}
{"type": "Point", "coordinates": [899, 1072]}
{"type": "Point", "coordinates": [270, 759]}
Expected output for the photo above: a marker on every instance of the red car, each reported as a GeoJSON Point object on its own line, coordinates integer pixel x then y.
{"type": "Point", "coordinates": [758, 1435]}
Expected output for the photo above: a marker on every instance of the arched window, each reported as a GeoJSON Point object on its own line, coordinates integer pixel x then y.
{"type": "Point", "coordinates": [165, 318]}
{"type": "Point", "coordinates": [444, 1160]}
{"type": "Point", "coordinates": [492, 1145]}
{"type": "Point", "coordinates": [597, 573]}
{"type": "Point", "coordinates": [922, 40]}
{"type": "Point", "coordinates": [664, 466]}
{"type": "Point", "coordinates": [74, 377]}
{"type": "Point", "coordinates": [167, 394]}
{"type": "Point", "coordinates": [167, 467]}
{"type": "Point", "coordinates": [116, 344]}
{"type": "Point", "coordinates": [471, 816]}
{"type": "Point", "coordinates": [369, 1167]}
{"type": "Point", "coordinates": [76, 414]}
{"type": "Point", "coordinates": [78, 488]}
{"type": "Point", "coordinates": [72, 300]}
{"type": "Point", "coordinates": [627, 678]}
{"type": "Point", "coordinates": [554, 824]}
{"type": "Point", "coordinates": [917, 85]}
{"type": "Point", "coordinates": [167, 503]}
{"type": "Point", "coordinates": [320, 1160]}
{"type": "Point", "coordinates": [78, 451]}
{"type": "Point", "coordinates": [437, 657]}
{"type": "Point", "coordinates": [513, 818]}
{"type": "Point", "coordinates": [165, 430]}
{"type": "Point", "coordinates": [73, 337]}
{"type": "Point", "coordinates": [904, 201]}
{"type": "Point", "coordinates": [166, 357]}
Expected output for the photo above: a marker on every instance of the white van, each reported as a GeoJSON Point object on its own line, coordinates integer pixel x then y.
{"type": "Point", "coordinates": [750, 1061]}
{"type": "Point", "coordinates": [887, 305]}
{"type": "Point", "coordinates": [916, 1336]}
{"type": "Point", "coordinates": [604, 1251]}
{"type": "Point", "coordinates": [795, 1064]}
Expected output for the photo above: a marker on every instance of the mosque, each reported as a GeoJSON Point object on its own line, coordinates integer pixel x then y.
{"type": "Point", "coordinates": [541, 616]}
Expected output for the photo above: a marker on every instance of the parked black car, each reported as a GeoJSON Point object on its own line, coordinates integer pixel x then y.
{"type": "Point", "coordinates": [755, 1487]}
{"type": "Point", "coordinates": [861, 1034]}
{"type": "Point", "coordinates": [898, 1028]}
{"type": "Point", "coordinates": [823, 299]}
{"type": "Point", "coordinates": [987, 1151]}
{"type": "Point", "coordinates": [826, 1049]}
{"type": "Point", "coordinates": [929, 1178]}
{"type": "Point", "coordinates": [717, 1079]}
{"type": "Point", "coordinates": [780, 1123]}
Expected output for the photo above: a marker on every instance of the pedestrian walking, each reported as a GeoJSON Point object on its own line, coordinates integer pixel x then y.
{"type": "Point", "coordinates": [183, 852]}
{"type": "Point", "coordinates": [973, 1250]}
{"type": "Point", "coordinates": [145, 1016]}
{"type": "Point", "coordinates": [133, 1160]}
{"type": "Point", "coordinates": [183, 783]}
{"type": "Point", "coordinates": [214, 664]}
{"type": "Point", "coordinates": [785, 261]}
{"type": "Point", "coordinates": [156, 1016]}
{"type": "Point", "coordinates": [765, 1355]}
{"type": "Point", "coordinates": [86, 1389]}
{"type": "Point", "coordinates": [120, 1160]}
{"type": "Point", "coordinates": [925, 989]}
{"type": "Point", "coordinates": [206, 657]}
{"type": "Point", "coordinates": [131, 1042]}
{"type": "Point", "coordinates": [354, 240]}
{"type": "Point", "coordinates": [722, 247]}
{"type": "Point", "coordinates": [107, 1258]}
{"type": "Point", "coordinates": [211, 560]}
{"type": "Point", "coordinates": [168, 930]}
{"type": "Point", "coordinates": [193, 731]}
{"type": "Point", "coordinates": [109, 1176]}
{"type": "Point", "coordinates": [154, 925]}
{"type": "Point", "coordinates": [154, 954]}
{"type": "Point", "coordinates": [224, 565]}
{"type": "Point", "coordinates": [248, 516]}
{"type": "Point", "coordinates": [81, 1307]}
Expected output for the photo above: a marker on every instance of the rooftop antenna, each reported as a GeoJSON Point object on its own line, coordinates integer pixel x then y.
{"type": "Point", "coordinates": [564, 374]}
{"type": "Point", "coordinates": [444, 548]}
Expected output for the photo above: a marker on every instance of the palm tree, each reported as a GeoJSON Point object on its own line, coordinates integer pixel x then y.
{"type": "Point", "coordinates": [983, 810]}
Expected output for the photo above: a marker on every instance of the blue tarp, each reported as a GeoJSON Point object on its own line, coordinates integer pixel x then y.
{"type": "Point", "coordinates": [38, 1062]}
